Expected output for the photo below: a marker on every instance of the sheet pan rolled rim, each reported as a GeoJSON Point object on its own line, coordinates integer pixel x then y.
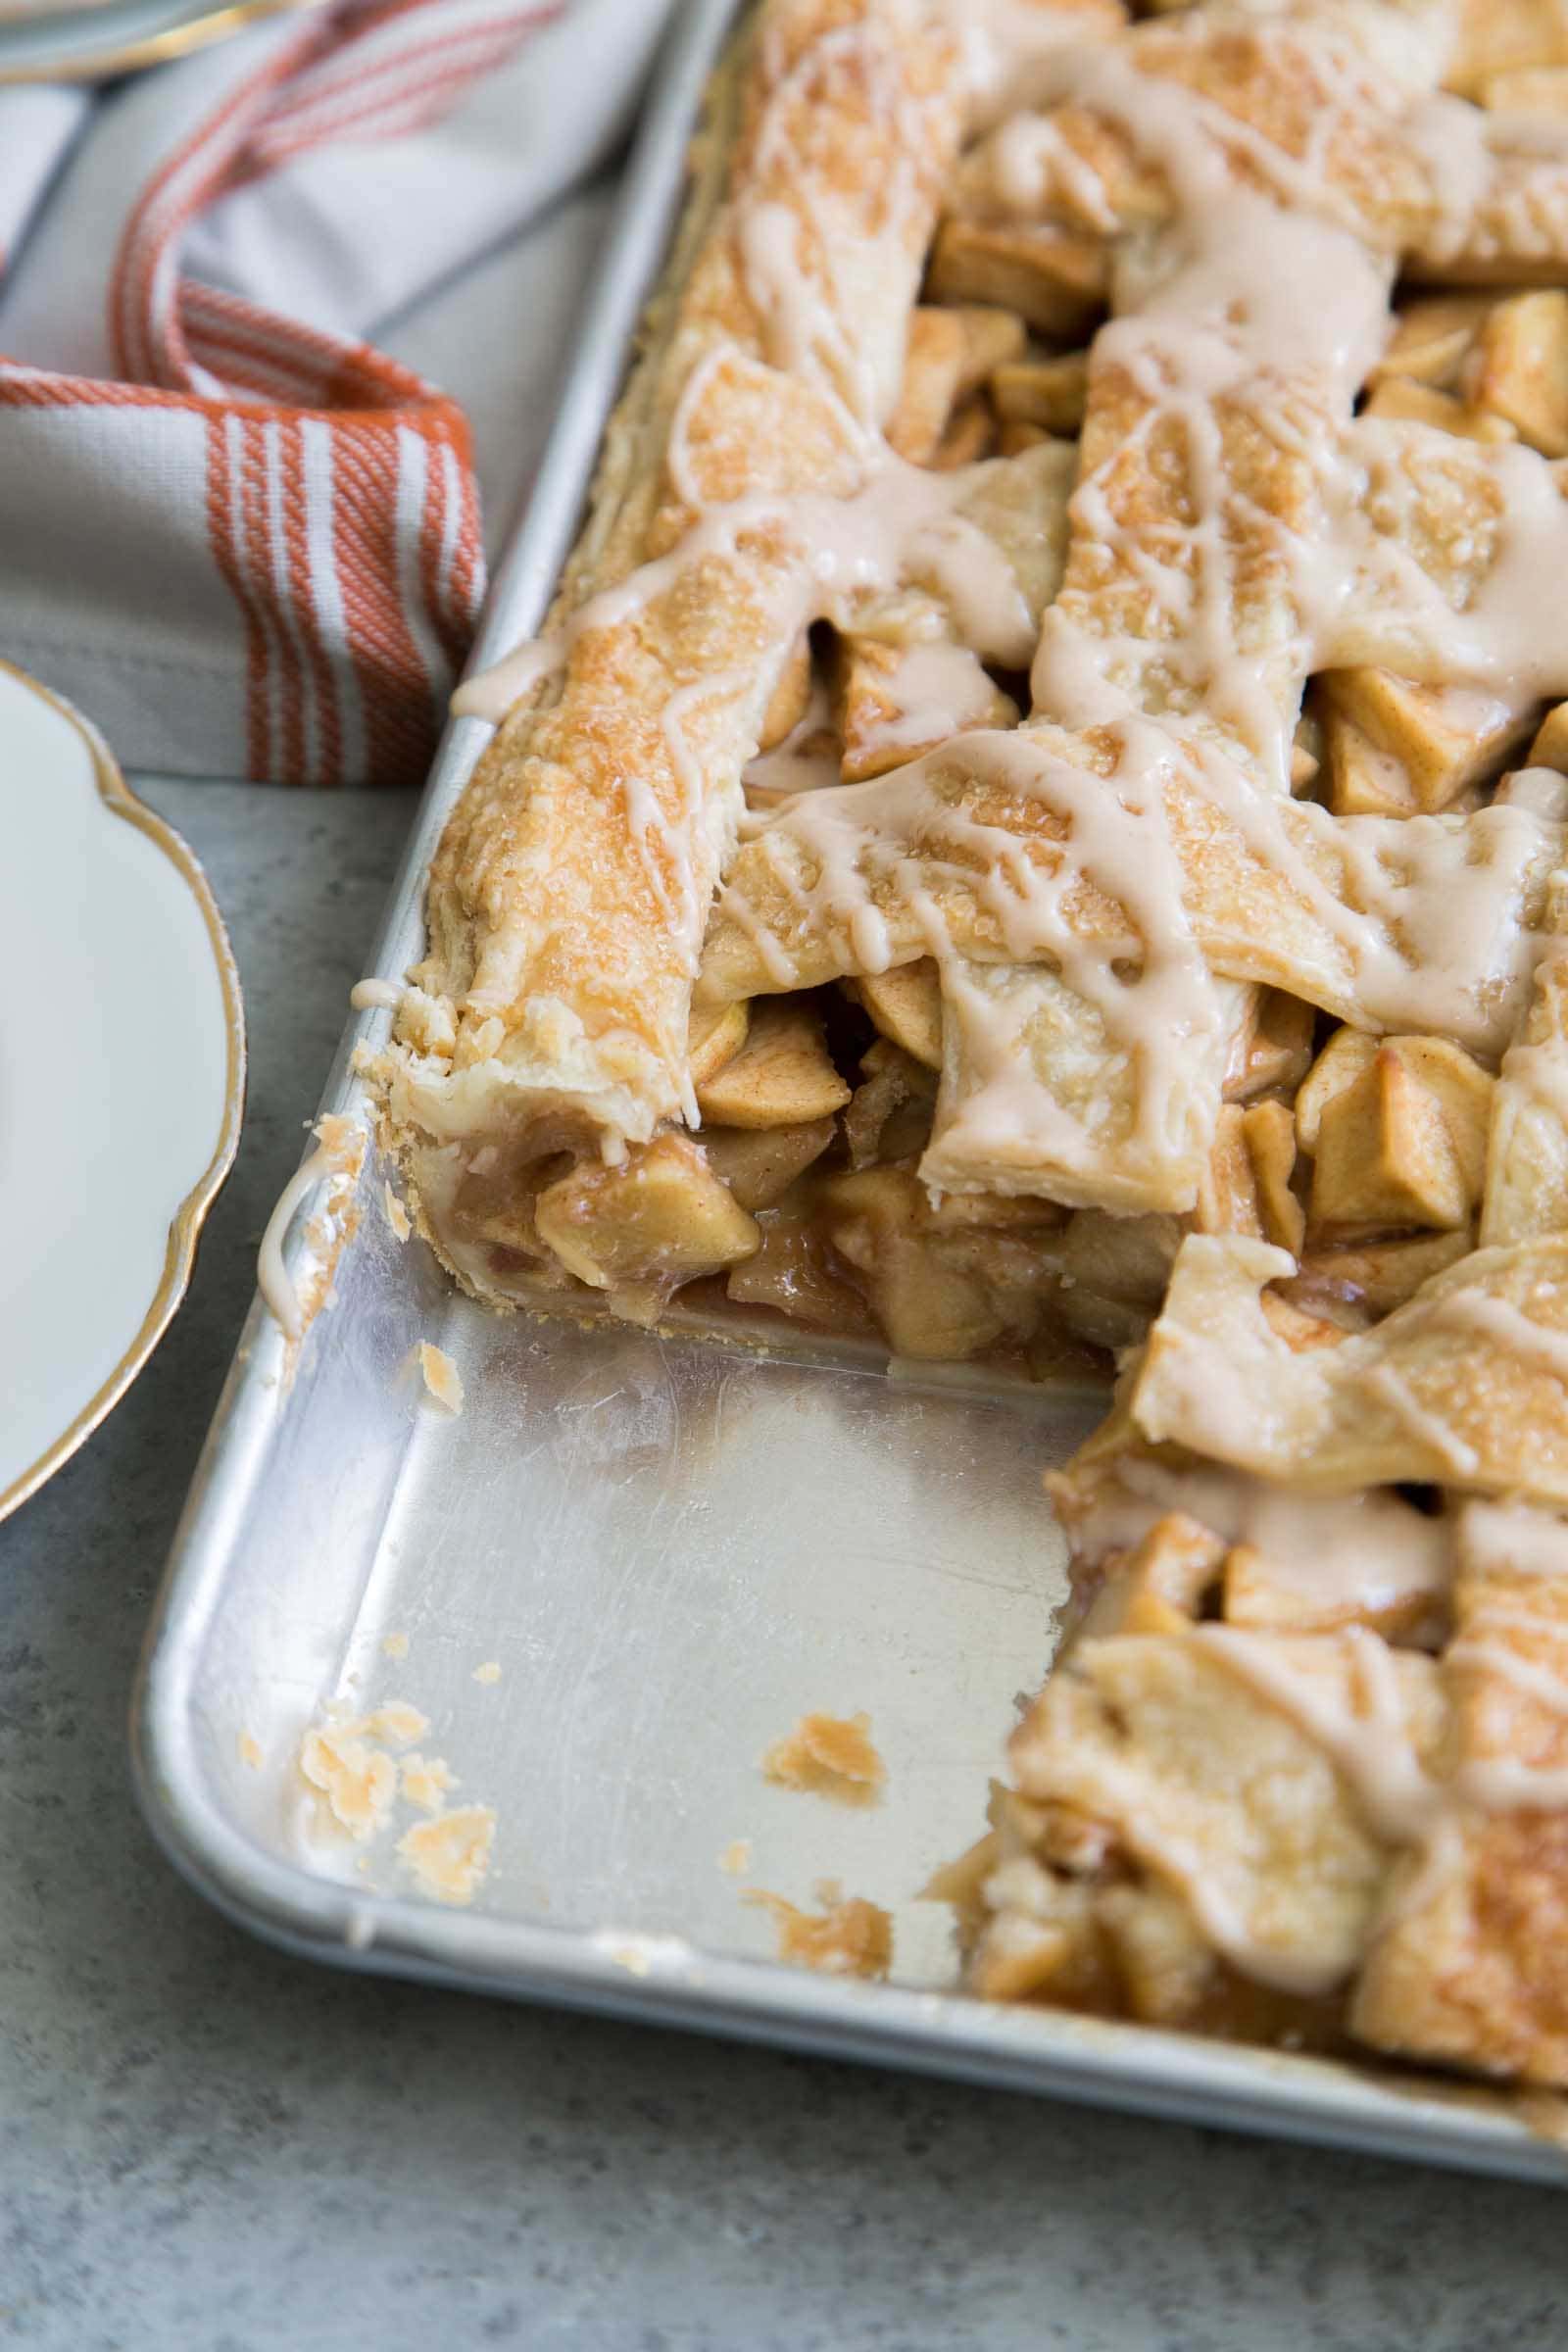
{"type": "Point", "coordinates": [665, 1982]}
{"type": "Point", "coordinates": [647, 1978]}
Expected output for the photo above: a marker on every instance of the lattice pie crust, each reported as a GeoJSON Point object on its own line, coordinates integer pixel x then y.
{"type": "Point", "coordinates": [1037, 833]}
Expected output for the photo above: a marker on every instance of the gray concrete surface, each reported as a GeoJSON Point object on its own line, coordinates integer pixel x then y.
{"type": "Point", "coordinates": [204, 2144]}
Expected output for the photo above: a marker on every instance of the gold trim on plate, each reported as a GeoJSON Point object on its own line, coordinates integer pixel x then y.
{"type": "Point", "coordinates": [153, 49]}
{"type": "Point", "coordinates": [179, 1258]}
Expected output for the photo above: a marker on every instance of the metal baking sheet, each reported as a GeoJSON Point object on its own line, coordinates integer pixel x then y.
{"type": "Point", "coordinates": [629, 1564]}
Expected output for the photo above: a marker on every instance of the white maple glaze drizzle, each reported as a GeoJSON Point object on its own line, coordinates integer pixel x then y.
{"type": "Point", "coordinates": [1005, 52]}
{"type": "Point", "coordinates": [704, 812]}
{"type": "Point", "coordinates": [492, 692]}
{"type": "Point", "coordinates": [376, 996]}
{"type": "Point", "coordinates": [1501, 1784]}
{"type": "Point", "coordinates": [1355, 1551]}
{"type": "Point", "coordinates": [1528, 1542]}
{"type": "Point", "coordinates": [1449, 138]}
{"type": "Point", "coordinates": [904, 517]}
{"type": "Point", "coordinates": [1369, 1744]}
{"type": "Point", "coordinates": [338, 1155]}
{"type": "Point", "coordinates": [271, 1274]}
{"type": "Point", "coordinates": [804, 334]}
{"type": "Point", "coordinates": [1405, 1804]}
{"type": "Point", "coordinates": [1190, 138]}
{"type": "Point", "coordinates": [1480, 1315]}
{"type": "Point", "coordinates": [1029, 156]}
{"type": "Point", "coordinates": [1150, 993]}
{"type": "Point", "coordinates": [1485, 1618]}
{"type": "Point", "coordinates": [724, 360]}
{"type": "Point", "coordinates": [807, 760]}
{"type": "Point", "coordinates": [1505, 636]}
{"type": "Point", "coordinates": [1427, 1427]}
{"type": "Point", "coordinates": [1434, 943]}
{"type": "Point", "coordinates": [1527, 1674]}
{"type": "Point", "coordinates": [1477, 212]}
{"type": "Point", "coordinates": [805, 301]}
{"type": "Point", "coordinates": [937, 689]}
{"type": "Point", "coordinates": [904, 522]}
{"type": "Point", "coordinates": [1187, 1866]}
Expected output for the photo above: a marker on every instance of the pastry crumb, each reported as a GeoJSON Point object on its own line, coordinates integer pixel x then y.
{"type": "Point", "coordinates": [736, 1858]}
{"type": "Point", "coordinates": [394, 1645]}
{"type": "Point", "coordinates": [250, 1750]}
{"type": "Point", "coordinates": [440, 1376]}
{"type": "Point", "coordinates": [828, 1756]}
{"type": "Point", "coordinates": [427, 1782]}
{"type": "Point", "coordinates": [450, 1855]}
{"type": "Point", "coordinates": [489, 1672]}
{"type": "Point", "coordinates": [395, 1720]}
{"type": "Point", "coordinates": [397, 1216]}
{"type": "Point", "coordinates": [358, 1782]}
{"type": "Point", "coordinates": [343, 1140]}
{"type": "Point", "coordinates": [848, 1937]}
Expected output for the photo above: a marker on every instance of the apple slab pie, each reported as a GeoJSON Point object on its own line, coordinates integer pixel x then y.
{"type": "Point", "coordinates": [1037, 833]}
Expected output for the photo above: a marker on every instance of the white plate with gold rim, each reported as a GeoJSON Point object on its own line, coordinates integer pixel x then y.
{"type": "Point", "coordinates": [90, 41]}
{"type": "Point", "coordinates": [122, 1077]}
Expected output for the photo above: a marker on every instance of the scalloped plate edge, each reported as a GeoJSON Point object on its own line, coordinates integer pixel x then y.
{"type": "Point", "coordinates": [179, 1255]}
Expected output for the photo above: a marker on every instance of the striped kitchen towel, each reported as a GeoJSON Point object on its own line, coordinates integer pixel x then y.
{"type": "Point", "coordinates": [233, 528]}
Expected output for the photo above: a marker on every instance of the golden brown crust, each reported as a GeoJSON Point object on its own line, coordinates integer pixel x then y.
{"type": "Point", "coordinates": [1477, 1974]}
{"type": "Point", "coordinates": [567, 899]}
{"type": "Point", "coordinates": [1464, 1385]}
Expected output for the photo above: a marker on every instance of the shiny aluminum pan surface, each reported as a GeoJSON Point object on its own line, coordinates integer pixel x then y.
{"type": "Point", "coordinates": [629, 1564]}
